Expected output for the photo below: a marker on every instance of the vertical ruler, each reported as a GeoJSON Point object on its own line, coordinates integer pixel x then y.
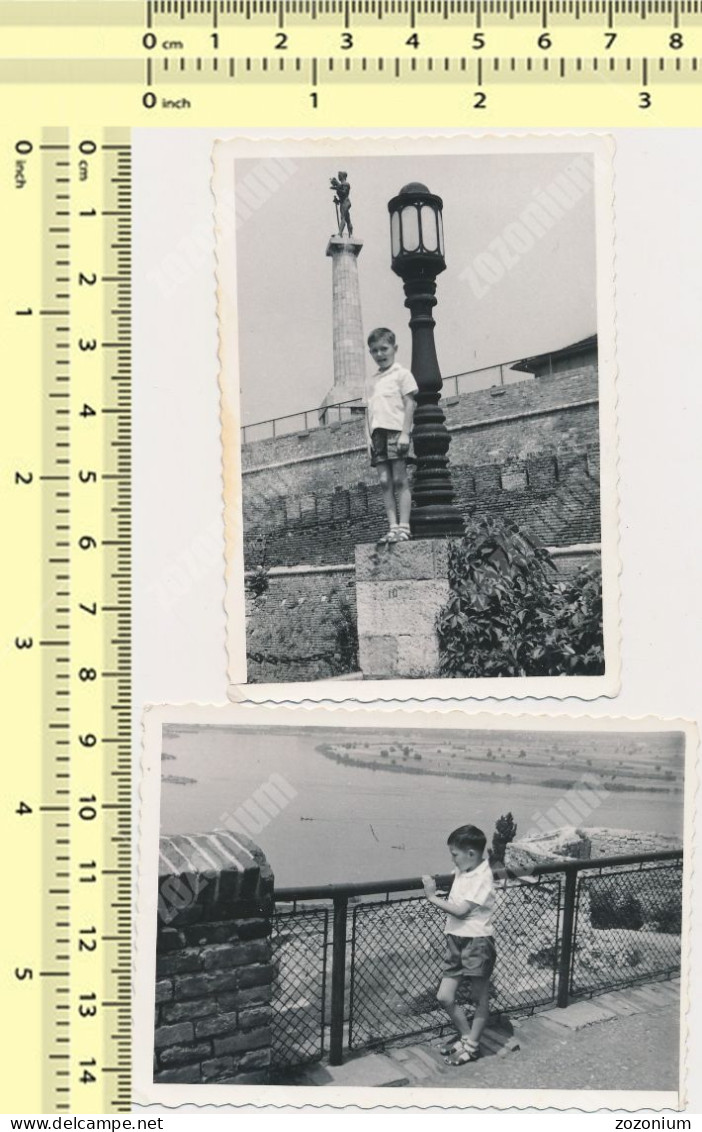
{"type": "Point", "coordinates": [65, 483]}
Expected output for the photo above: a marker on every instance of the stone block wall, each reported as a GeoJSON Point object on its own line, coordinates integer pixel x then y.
{"type": "Point", "coordinates": [555, 499]}
{"type": "Point", "coordinates": [489, 426]}
{"type": "Point", "coordinates": [300, 619]}
{"type": "Point", "coordinates": [303, 628]}
{"type": "Point", "coordinates": [529, 451]}
{"type": "Point", "coordinates": [214, 974]}
{"type": "Point", "coordinates": [399, 592]}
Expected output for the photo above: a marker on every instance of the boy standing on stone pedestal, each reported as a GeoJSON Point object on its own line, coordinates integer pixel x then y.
{"type": "Point", "coordinates": [391, 405]}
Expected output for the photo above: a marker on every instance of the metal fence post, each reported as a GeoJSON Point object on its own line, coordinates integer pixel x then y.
{"type": "Point", "coordinates": [566, 949]}
{"type": "Point", "coordinates": [338, 981]}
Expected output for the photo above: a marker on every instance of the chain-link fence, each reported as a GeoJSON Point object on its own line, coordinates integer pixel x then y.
{"type": "Point", "coordinates": [299, 1000]}
{"type": "Point", "coordinates": [567, 930]}
{"type": "Point", "coordinates": [397, 959]}
{"type": "Point", "coordinates": [627, 927]}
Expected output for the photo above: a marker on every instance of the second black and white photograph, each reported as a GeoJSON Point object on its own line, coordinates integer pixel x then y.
{"type": "Point", "coordinates": [478, 909]}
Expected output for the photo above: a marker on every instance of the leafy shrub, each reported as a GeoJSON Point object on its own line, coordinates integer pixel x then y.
{"type": "Point", "coordinates": [667, 917]}
{"type": "Point", "coordinates": [505, 831]}
{"type": "Point", "coordinates": [510, 614]}
{"type": "Point", "coordinates": [613, 906]}
{"type": "Point", "coordinates": [257, 581]}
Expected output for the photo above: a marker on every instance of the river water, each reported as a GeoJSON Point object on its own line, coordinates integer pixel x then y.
{"type": "Point", "coordinates": [347, 823]}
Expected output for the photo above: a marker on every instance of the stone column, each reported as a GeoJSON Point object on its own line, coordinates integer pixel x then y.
{"type": "Point", "coordinates": [400, 588]}
{"type": "Point", "coordinates": [214, 975]}
{"type": "Point", "coordinates": [349, 342]}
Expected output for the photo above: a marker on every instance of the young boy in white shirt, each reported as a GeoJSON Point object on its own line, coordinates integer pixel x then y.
{"type": "Point", "coordinates": [391, 405]}
{"type": "Point", "coordinates": [469, 939]}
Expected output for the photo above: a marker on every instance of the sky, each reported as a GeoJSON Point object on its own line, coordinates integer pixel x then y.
{"type": "Point", "coordinates": [544, 300]}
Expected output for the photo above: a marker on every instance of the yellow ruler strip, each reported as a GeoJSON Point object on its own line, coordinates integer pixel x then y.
{"type": "Point", "coordinates": [65, 615]}
{"type": "Point", "coordinates": [343, 62]}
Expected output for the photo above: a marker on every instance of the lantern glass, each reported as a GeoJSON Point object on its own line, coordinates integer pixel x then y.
{"type": "Point", "coordinates": [430, 229]}
{"type": "Point", "coordinates": [410, 229]}
{"type": "Point", "coordinates": [440, 230]}
{"type": "Point", "coordinates": [395, 240]}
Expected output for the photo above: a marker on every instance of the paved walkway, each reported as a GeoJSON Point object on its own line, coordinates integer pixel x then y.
{"type": "Point", "coordinates": [626, 1039]}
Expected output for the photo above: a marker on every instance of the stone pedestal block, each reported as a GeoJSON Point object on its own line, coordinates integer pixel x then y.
{"type": "Point", "coordinates": [400, 589]}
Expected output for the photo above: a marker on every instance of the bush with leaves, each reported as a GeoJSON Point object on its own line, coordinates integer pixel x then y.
{"type": "Point", "coordinates": [505, 832]}
{"type": "Point", "coordinates": [257, 579]}
{"type": "Point", "coordinates": [613, 905]}
{"type": "Point", "coordinates": [510, 613]}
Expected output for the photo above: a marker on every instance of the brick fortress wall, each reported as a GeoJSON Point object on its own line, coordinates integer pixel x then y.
{"type": "Point", "coordinates": [528, 451]}
{"type": "Point", "coordinates": [214, 975]}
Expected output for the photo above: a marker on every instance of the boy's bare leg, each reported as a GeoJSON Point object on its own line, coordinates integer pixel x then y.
{"type": "Point", "coordinates": [480, 993]}
{"type": "Point", "coordinates": [386, 484]}
{"type": "Point", "coordinates": [402, 490]}
{"type": "Point", "coordinates": [446, 996]}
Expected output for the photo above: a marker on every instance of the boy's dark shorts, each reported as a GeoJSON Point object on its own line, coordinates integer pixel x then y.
{"type": "Point", "coordinates": [473, 956]}
{"type": "Point", "coordinates": [384, 447]}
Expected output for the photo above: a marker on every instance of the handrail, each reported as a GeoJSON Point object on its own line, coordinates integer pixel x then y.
{"type": "Point", "coordinates": [339, 895]}
{"type": "Point", "coordinates": [410, 884]}
{"type": "Point", "coordinates": [317, 411]}
{"type": "Point", "coordinates": [304, 415]}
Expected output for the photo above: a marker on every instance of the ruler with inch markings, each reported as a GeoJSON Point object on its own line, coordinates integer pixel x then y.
{"type": "Point", "coordinates": [65, 213]}
{"type": "Point", "coordinates": [342, 62]}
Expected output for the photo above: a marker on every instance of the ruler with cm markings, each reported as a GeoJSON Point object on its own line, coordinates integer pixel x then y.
{"type": "Point", "coordinates": [343, 62]}
{"type": "Point", "coordinates": [65, 213]}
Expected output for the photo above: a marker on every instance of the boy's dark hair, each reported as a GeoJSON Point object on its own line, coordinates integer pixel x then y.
{"type": "Point", "coordinates": [468, 837]}
{"type": "Point", "coordinates": [381, 332]}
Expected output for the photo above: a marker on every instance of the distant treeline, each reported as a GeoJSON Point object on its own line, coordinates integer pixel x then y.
{"type": "Point", "coordinates": [407, 767]}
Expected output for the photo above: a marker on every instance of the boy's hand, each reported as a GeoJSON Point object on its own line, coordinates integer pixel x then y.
{"type": "Point", "coordinates": [429, 886]}
{"type": "Point", "coordinates": [403, 443]}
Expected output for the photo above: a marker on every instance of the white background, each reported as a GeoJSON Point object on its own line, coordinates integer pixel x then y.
{"type": "Point", "coordinates": [179, 632]}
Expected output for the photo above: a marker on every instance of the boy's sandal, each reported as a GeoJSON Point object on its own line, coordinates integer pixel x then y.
{"type": "Point", "coordinates": [389, 536]}
{"type": "Point", "coordinates": [463, 1053]}
{"type": "Point", "coordinates": [399, 534]}
{"type": "Point", "coordinates": [449, 1045]}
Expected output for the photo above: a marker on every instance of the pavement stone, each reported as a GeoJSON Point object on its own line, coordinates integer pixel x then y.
{"type": "Point", "coordinates": [620, 1004]}
{"type": "Point", "coordinates": [581, 1014]}
{"type": "Point", "coordinates": [655, 993]}
{"type": "Point", "coordinates": [637, 1049]}
{"type": "Point", "coordinates": [433, 1062]}
{"type": "Point", "coordinates": [372, 1071]}
{"type": "Point", "coordinates": [641, 995]}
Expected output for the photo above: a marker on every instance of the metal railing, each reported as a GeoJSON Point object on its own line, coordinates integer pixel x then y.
{"type": "Point", "coordinates": [302, 422]}
{"type": "Point", "coordinates": [563, 930]}
{"type": "Point", "coordinates": [486, 377]}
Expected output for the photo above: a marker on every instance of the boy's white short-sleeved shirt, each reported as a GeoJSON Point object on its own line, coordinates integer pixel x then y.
{"type": "Point", "coordinates": [478, 887]}
{"type": "Point", "coordinates": [386, 408]}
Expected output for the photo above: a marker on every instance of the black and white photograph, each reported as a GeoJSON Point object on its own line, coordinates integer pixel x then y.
{"type": "Point", "coordinates": [417, 372]}
{"type": "Point", "coordinates": [448, 905]}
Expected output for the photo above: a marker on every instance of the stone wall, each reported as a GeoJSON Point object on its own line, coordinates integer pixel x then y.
{"type": "Point", "coordinates": [303, 628]}
{"type": "Point", "coordinates": [488, 426]}
{"type": "Point", "coordinates": [298, 629]}
{"type": "Point", "coordinates": [527, 451]}
{"type": "Point", "coordinates": [214, 975]}
{"type": "Point", "coordinates": [556, 499]}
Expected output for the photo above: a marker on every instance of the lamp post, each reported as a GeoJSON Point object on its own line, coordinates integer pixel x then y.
{"type": "Point", "coordinates": [417, 248]}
